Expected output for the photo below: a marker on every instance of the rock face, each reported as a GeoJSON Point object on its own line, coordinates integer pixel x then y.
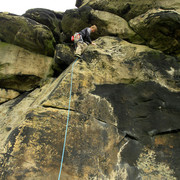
{"type": "Point", "coordinates": [6, 95]}
{"type": "Point", "coordinates": [26, 33]}
{"type": "Point", "coordinates": [49, 18]}
{"type": "Point", "coordinates": [107, 23]}
{"type": "Point", "coordinates": [64, 56]}
{"type": "Point", "coordinates": [165, 26]}
{"type": "Point", "coordinates": [21, 69]}
{"type": "Point", "coordinates": [125, 100]}
{"type": "Point", "coordinates": [129, 9]}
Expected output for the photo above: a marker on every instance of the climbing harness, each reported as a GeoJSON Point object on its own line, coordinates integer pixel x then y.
{"type": "Point", "coordinates": [76, 37]}
{"type": "Point", "coordinates": [67, 120]}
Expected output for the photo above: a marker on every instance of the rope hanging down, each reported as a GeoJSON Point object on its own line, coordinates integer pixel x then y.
{"type": "Point", "coordinates": [67, 121]}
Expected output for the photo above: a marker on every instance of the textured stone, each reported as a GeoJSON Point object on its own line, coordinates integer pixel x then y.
{"type": "Point", "coordinates": [124, 109]}
{"type": "Point", "coordinates": [124, 113]}
{"type": "Point", "coordinates": [117, 67]}
{"type": "Point", "coordinates": [107, 24]}
{"type": "Point", "coordinates": [26, 33]}
{"type": "Point", "coordinates": [75, 20]}
{"type": "Point", "coordinates": [129, 9]}
{"type": "Point", "coordinates": [145, 106]}
{"type": "Point", "coordinates": [14, 111]}
{"type": "Point", "coordinates": [42, 134]}
{"type": "Point", "coordinates": [6, 95]}
{"type": "Point", "coordinates": [63, 57]}
{"type": "Point", "coordinates": [165, 26]}
{"type": "Point", "coordinates": [49, 18]}
{"type": "Point", "coordinates": [111, 24]}
{"type": "Point", "coordinates": [21, 69]}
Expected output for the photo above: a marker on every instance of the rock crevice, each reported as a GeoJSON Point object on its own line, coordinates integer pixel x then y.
{"type": "Point", "coordinates": [125, 101]}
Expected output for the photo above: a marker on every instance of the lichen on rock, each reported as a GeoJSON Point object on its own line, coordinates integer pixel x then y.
{"type": "Point", "coordinates": [124, 102]}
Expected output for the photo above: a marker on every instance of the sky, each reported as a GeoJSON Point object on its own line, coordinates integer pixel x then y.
{"type": "Point", "coordinates": [19, 7]}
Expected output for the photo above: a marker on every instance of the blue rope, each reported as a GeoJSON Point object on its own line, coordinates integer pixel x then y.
{"type": "Point", "coordinates": [67, 121]}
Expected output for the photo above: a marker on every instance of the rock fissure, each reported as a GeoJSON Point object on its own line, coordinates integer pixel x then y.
{"type": "Point", "coordinates": [168, 132]}
{"type": "Point", "coordinates": [124, 119]}
{"type": "Point", "coordinates": [79, 112]}
{"type": "Point", "coordinates": [129, 136]}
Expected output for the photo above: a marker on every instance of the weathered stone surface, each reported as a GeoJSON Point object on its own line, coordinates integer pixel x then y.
{"type": "Point", "coordinates": [39, 128]}
{"type": "Point", "coordinates": [49, 18]}
{"type": "Point", "coordinates": [63, 57]}
{"type": "Point", "coordinates": [129, 9]}
{"type": "Point", "coordinates": [107, 23]}
{"type": "Point", "coordinates": [101, 83]}
{"type": "Point", "coordinates": [125, 101]}
{"type": "Point", "coordinates": [43, 132]}
{"type": "Point", "coordinates": [75, 20]}
{"type": "Point", "coordinates": [111, 24]}
{"type": "Point", "coordinates": [14, 111]}
{"type": "Point", "coordinates": [110, 55]}
{"type": "Point", "coordinates": [145, 106]}
{"type": "Point", "coordinates": [165, 26]}
{"type": "Point", "coordinates": [123, 122]}
{"type": "Point", "coordinates": [80, 2]}
{"type": "Point", "coordinates": [21, 69]}
{"type": "Point", "coordinates": [26, 33]}
{"type": "Point", "coordinates": [6, 95]}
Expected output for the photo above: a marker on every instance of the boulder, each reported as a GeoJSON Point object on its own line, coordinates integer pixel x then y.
{"type": "Point", "coordinates": [63, 57]}
{"type": "Point", "coordinates": [165, 26]}
{"type": "Point", "coordinates": [7, 94]}
{"type": "Point", "coordinates": [109, 63]}
{"type": "Point", "coordinates": [107, 23]}
{"type": "Point", "coordinates": [49, 18]}
{"type": "Point", "coordinates": [26, 33]}
{"type": "Point", "coordinates": [21, 69]}
{"type": "Point", "coordinates": [75, 20]}
{"type": "Point", "coordinates": [124, 119]}
{"type": "Point", "coordinates": [129, 9]}
{"type": "Point", "coordinates": [43, 132]}
{"type": "Point", "coordinates": [112, 25]}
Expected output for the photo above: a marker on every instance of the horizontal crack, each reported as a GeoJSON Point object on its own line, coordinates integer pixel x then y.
{"type": "Point", "coordinates": [174, 131]}
{"type": "Point", "coordinates": [131, 137]}
{"type": "Point", "coordinates": [73, 110]}
{"type": "Point", "coordinates": [141, 117]}
{"type": "Point", "coordinates": [126, 134]}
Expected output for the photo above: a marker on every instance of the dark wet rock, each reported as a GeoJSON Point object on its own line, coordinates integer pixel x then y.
{"type": "Point", "coordinates": [49, 18]}
{"type": "Point", "coordinates": [26, 33]}
{"type": "Point", "coordinates": [165, 26]}
{"type": "Point", "coordinates": [107, 24]}
{"type": "Point", "coordinates": [129, 9]}
{"type": "Point", "coordinates": [64, 56]}
{"type": "Point", "coordinates": [125, 99]}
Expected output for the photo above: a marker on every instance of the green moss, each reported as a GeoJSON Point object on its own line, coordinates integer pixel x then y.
{"type": "Point", "coordinates": [135, 38]}
{"type": "Point", "coordinates": [49, 47]}
{"type": "Point", "coordinates": [3, 44]}
{"type": "Point", "coordinates": [27, 34]}
{"type": "Point", "coordinates": [20, 83]}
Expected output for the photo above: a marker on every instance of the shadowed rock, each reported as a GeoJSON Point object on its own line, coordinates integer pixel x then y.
{"type": "Point", "coordinates": [26, 33]}
{"type": "Point", "coordinates": [107, 23]}
{"type": "Point", "coordinates": [49, 18]}
{"type": "Point", "coordinates": [129, 9]}
{"type": "Point", "coordinates": [124, 113]}
{"type": "Point", "coordinates": [21, 69]}
{"type": "Point", "coordinates": [165, 26]}
{"type": "Point", "coordinates": [63, 57]}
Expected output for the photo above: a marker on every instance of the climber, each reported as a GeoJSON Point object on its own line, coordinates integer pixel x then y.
{"type": "Point", "coordinates": [82, 39]}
